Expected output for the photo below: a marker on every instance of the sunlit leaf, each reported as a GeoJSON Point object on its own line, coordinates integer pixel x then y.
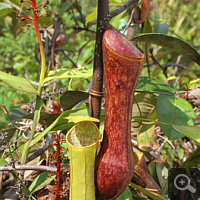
{"type": "Point", "coordinates": [18, 83]}
{"type": "Point", "coordinates": [69, 73]}
{"type": "Point", "coordinates": [92, 16]}
{"type": "Point", "coordinates": [175, 111]}
{"type": "Point", "coordinates": [170, 42]}
{"type": "Point", "coordinates": [3, 162]}
{"type": "Point", "coordinates": [40, 181]}
{"type": "Point", "coordinates": [5, 9]}
{"type": "Point", "coordinates": [77, 119]}
{"type": "Point", "coordinates": [192, 132]}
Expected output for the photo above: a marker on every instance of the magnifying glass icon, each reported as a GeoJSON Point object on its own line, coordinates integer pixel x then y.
{"type": "Point", "coordinates": [182, 182]}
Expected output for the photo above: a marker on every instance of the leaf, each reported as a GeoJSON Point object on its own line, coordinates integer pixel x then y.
{"type": "Point", "coordinates": [59, 124]}
{"type": "Point", "coordinates": [161, 28]}
{"type": "Point", "coordinates": [70, 98]}
{"type": "Point", "coordinates": [92, 16]}
{"type": "Point", "coordinates": [18, 83]}
{"type": "Point", "coordinates": [193, 160]}
{"type": "Point", "coordinates": [170, 42]}
{"type": "Point", "coordinates": [147, 105]}
{"type": "Point", "coordinates": [17, 113]}
{"type": "Point", "coordinates": [5, 9]}
{"type": "Point", "coordinates": [147, 140]}
{"type": "Point", "coordinates": [65, 6]}
{"type": "Point", "coordinates": [176, 111]}
{"type": "Point", "coordinates": [145, 191]}
{"type": "Point", "coordinates": [41, 180]}
{"type": "Point", "coordinates": [69, 73]}
{"type": "Point", "coordinates": [147, 84]}
{"type": "Point", "coordinates": [77, 119]}
{"type": "Point", "coordinates": [45, 21]}
{"type": "Point", "coordinates": [156, 169]}
{"type": "Point", "coordinates": [126, 195]}
{"type": "Point", "coordinates": [3, 162]}
{"type": "Point", "coordinates": [192, 132]}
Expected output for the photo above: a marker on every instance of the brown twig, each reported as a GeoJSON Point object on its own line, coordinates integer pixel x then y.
{"type": "Point", "coordinates": [122, 8]}
{"type": "Point", "coordinates": [97, 86]}
{"type": "Point", "coordinates": [29, 167]}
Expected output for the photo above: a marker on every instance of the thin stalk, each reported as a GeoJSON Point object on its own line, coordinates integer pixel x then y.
{"type": "Point", "coordinates": [42, 76]}
{"type": "Point", "coordinates": [42, 73]}
{"type": "Point", "coordinates": [97, 86]}
{"type": "Point", "coordinates": [58, 167]}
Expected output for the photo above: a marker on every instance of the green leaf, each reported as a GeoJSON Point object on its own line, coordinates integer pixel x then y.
{"type": "Point", "coordinates": [92, 16]}
{"type": "Point", "coordinates": [147, 140]}
{"type": "Point", "coordinates": [145, 191]}
{"type": "Point", "coordinates": [65, 6]}
{"type": "Point", "coordinates": [192, 132]}
{"type": "Point", "coordinates": [147, 84]}
{"type": "Point", "coordinates": [126, 195]}
{"type": "Point", "coordinates": [59, 124]}
{"type": "Point", "coordinates": [17, 113]}
{"type": "Point", "coordinates": [170, 42]}
{"type": "Point", "coordinates": [5, 9]}
{"type": "Point", "coordinates": [77, 119]}
{"type": "Point", "coordinates": [3, 162]}
{"type": "Point", "coordinates": [193, 160]}
{"type": "Point", "coordinates": [175, 111]}
{"type": "Point", "coordinates": [41, 180]}
{"type": "Point", "coordinates": [147, 105]}
{"type": "Point", "coordinates": [69, 73]}
{"type": "Point", "coordinates": [18, 83]}
{"type": "Point", "coordinates": [161, 28]}
{"type": "Point", "coordinates": [70, 98]}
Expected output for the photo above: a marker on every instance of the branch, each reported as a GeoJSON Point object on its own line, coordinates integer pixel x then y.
{"type": "Point", "coordinates": [122, 8]}
{"type": "Point", "coordinates": [29, 167]}
{"type": "Point", "coordinates": [97, 86]}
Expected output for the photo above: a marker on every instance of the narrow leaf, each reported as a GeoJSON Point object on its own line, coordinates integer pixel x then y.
{"type": "Point", "coordinates": [18, 83]}
{"type": "Point", "coordinates": [39, 182]}
{"type": "Point", "coordinates": [170, 42]}
{"type": "Point", "coordinates": [17, 113]}
{"type": "Point", "coordinates": [193, 160]}
{"type": "Point", "coordinates": [77, 119]}
{"type": "Point", "coordinates": [69, 73]}
{"type": "Point", "coordinates": [145, 191]}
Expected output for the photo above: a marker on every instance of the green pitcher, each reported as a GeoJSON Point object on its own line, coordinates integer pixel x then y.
{"type": "Point", "coordinates": [82, 141]}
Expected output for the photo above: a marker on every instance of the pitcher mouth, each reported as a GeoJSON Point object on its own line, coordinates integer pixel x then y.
{"type": "Point", "coordinates": [139, 60]}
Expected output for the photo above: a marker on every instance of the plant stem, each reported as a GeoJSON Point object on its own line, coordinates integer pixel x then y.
{"type": "Point", "coordinates": [58, 167]}
{"type": "Point", "coordinates": [97, 86]}
{"type": "Point", "coordinates": [42, 74]}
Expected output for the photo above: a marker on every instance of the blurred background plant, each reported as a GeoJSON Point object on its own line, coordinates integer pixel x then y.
{"type": "Point", "coordinates": [69, 40]}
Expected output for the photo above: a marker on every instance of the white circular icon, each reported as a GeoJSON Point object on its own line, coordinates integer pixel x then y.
{"type": "Point", "coordinates": [184, 183]}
